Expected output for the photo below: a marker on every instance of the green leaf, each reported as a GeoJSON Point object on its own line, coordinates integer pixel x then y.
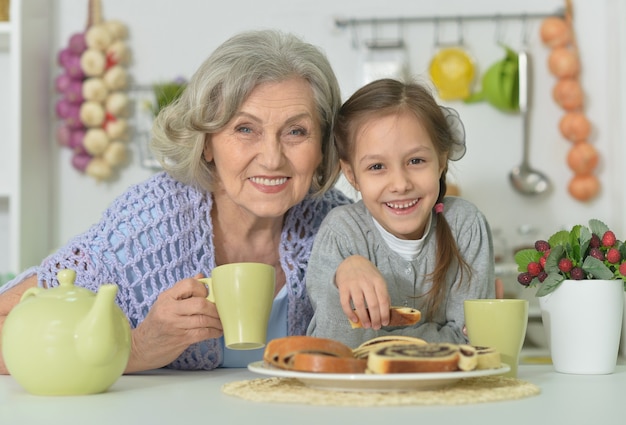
{"type": "Point", "coordinates": [559, 238]}
{"type": "Point", "coordinates": [552, 262]}
{"type": "Point", "coordinates": [550, 284]}
{"type": "Point", "coordinates": [525, 256]}
{"type": "Point", "coordinates": [573, 250]}
{"type": "Point", "coordinates": [585, 239]}
{"type": "Point", "coordinates": [598, 227]}
{"type": "Point", "coordinates": [597, 268]}
{"type": "Point", "coordinates": [166, 93]}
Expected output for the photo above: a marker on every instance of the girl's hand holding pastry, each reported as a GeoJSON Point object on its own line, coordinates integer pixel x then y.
{"type": "Point", "coordinates": [363, 292]}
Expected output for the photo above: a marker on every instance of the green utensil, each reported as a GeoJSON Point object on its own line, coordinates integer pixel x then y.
{"type": "Point", "coordinates": [500, 84]}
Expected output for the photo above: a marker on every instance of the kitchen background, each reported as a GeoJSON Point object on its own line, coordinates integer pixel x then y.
{"type": "Point", "coordinates": [169, 39]}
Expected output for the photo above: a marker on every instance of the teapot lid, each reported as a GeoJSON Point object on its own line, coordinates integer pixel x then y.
{"type": "Point", "coordinates": [66, 288]}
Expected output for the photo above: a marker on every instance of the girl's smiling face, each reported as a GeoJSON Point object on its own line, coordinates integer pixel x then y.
{"type": "Point", "coordinates": [266, 155]}
{"type": "Point", "coordinates": [396, 169]}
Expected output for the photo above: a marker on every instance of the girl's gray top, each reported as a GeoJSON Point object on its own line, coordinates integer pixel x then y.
{"type": "Point", "coordinates": [350, 230]}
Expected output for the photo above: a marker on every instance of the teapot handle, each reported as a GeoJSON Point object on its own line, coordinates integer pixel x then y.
{"type": "Point", "coordinates": [31, 292]}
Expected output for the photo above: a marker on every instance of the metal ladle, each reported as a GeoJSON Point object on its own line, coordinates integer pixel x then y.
{"type": "Point", "coordinates": [525, 179]}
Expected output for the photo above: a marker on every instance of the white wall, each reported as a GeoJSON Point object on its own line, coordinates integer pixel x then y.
{"type": "Point", "coordinates": [171, 38]}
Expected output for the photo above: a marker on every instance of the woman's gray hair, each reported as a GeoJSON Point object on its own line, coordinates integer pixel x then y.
{"type": "Point", "coordinates": [221, 85]}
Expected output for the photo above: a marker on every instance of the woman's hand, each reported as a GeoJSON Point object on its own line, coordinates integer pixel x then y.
{"type": "Point", "coordinates": [362, 286]}
{"type": "Point", "coordinates": [8, 300]}
{"type": "Point", "coordinates": [181, 316]}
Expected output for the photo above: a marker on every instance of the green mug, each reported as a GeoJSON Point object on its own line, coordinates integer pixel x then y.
{"type": "Point", "coordinates": [500, 324]}
{"type": "Point", "coordinates": [243, 294]}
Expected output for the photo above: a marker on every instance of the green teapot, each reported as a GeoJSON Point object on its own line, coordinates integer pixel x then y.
{"type": "Point", "coordinates": [66, 340]}
{"type": "Point", "coordinates": [500, 84]}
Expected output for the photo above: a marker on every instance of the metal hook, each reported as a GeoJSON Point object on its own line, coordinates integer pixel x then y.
{"type": "Point", "coordinates": [401, 29]}
{"type": "Point", "coordinates": [524, 30]}
{"type": "Point", "coordinates": [355, 34]}
{"type": "Point", "coordinates": [436, 26]}
{"type": "Point", "coordinates": [375, 30]}
{"type": "Point", "coordinates": [499, 37]}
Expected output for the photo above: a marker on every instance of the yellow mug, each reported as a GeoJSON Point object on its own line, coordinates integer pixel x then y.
{"type": "Point", "coordinates": [243, 294]}
{"type": "Point", "coordinates": [500, 324]}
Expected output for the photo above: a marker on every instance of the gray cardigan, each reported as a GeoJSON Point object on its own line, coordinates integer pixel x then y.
{"type": "Point", "coordinates": [349, 230]}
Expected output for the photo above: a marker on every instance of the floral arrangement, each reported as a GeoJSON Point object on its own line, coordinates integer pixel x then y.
{"type": "Point", "coordinates": [582, 253]}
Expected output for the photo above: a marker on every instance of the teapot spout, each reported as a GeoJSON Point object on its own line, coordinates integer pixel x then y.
{"type": "Point", "coordinates": [97, 342]}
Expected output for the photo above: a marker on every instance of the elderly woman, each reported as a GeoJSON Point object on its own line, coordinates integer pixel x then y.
{"type": "Point", "coordinates": [249, 166]}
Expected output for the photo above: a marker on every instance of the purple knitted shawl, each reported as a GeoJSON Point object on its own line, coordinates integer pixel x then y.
{"type": "Point", "coordinates": [159, 232]}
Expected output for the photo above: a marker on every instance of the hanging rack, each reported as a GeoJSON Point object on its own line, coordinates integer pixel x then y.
{"type": "Point", "coordinates": [354, 22]}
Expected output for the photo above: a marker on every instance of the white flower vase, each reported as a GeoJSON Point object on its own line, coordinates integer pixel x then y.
{"type": "Point", "coordinates": [583, 324]}
{"type": "Point", "coordinates": [623, 349]}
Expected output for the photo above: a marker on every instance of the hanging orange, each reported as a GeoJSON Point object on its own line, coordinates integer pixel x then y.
{"type": "Point", "coordinates": [568, 94]}
{"type": "Point", "coordinates": [555, 32]}
{"type": "Point", "coordinates": [563, 63]}
{"type": "Point", "coordinates": [582, 158]}
{"type": "Point", "coordinates": [584, 187]}
{"type": "Point", "coordinates": [575, 126]}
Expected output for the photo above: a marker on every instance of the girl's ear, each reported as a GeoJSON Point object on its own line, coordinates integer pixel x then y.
{"type": "Point", "coordinates": [346, 168]}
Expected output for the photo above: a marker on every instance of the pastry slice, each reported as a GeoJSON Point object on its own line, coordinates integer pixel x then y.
{"type": "Point", "coordinates": [324, 363]}
{"type": "Point", "coordinates": [398, 316]}
{"type": "Point", "coordinates": [414, 358]}
{"type": "Point", "coordinates": [468, 357]}
{"type": "Point", "coordinates": [487, 358]}
{"type": "Point", "coordinates": [363, 350]}
{"type": "Point", "coordinates": [279, 352]}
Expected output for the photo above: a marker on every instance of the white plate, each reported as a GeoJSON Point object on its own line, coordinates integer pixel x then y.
{"type": "Point", "coordinates": [373, 382]}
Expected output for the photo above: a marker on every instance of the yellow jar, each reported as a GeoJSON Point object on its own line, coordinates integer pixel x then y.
{"type": "Point", "coordinates": [4, 10]}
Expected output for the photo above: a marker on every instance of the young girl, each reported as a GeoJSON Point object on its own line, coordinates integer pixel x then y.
{"type": "Point", "coordinates": [403, 243]}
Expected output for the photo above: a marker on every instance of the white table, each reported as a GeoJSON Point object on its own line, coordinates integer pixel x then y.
{"type": "Point", "coordinates": [172, 397]}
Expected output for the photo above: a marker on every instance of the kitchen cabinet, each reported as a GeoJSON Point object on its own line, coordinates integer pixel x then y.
{"type": "Point", "coordinates": [25, 134]}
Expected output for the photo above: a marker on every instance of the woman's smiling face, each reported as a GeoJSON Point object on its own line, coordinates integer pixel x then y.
{"type": "Point", "coordinates": [396, 169]}
{"type": "Point", "coordinates": [267, 154]}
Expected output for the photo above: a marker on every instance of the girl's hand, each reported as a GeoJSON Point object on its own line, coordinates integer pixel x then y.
{"type": "Point", "coordinates": [363, 292]}
{"type": "Point", "coordinates": [181, 316]}
{"type": "Point", "coordinates": [499, 288]}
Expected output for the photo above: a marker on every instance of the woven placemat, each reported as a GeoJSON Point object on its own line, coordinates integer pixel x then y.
{"type": "Point", "coordinates": [471, 390]}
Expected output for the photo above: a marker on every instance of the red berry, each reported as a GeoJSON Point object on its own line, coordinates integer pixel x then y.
{"type": "Point", "coordinates": [542, 276]}
{"type": "Point", "coordinates": [608, 239]}
{"type": "Point", "coordinates": [622, 269]}
{"type": "Point", "coordinates": [534, 269]}
{"type": "Point", "coordinates": [577, 273]}
{"type": "Point", "coordinates": [595, 241]}
{"type": "Point", "coordinates": [542, 246]}
{"type": "Point", "coordinates": [597, 253]}
{"type": "Point", "coordinates": [542, 261]}
{"type": "Point", "coordinates": [613, 256]}
{"type": "Point", "coordinates": [565, 265]}
{"type": "Point", "coordinates": [524, 278]}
